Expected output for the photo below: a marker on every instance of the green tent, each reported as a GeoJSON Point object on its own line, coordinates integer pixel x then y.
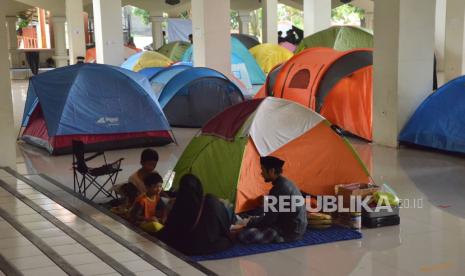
{"type": "Point", "coordinates": [197, 158]}
{"type": "Point", "coordinates": [341, 38]}
{"type": "Point", "coordinates": [174, 50]}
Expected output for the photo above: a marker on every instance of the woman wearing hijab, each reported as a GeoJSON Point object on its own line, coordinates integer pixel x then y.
{"type": "Point", "coordinates": [198, 224]}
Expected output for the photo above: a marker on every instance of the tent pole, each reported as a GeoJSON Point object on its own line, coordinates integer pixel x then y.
{"type": "Point", "coordinates": [19, 133]}
{"type": "Point", "coordinates": [174, 137]}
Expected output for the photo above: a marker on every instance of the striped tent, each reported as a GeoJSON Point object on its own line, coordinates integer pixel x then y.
{"type": "Point", "coordinates": [226, 154]}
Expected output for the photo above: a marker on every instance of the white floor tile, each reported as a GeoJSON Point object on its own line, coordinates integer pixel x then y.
{"type": "Point", "coordinates": [94, 269]}
{"type": "Point", "coordinates": [29, 218]}
{"type": "Point", "coordinates": [154, 273]}
{"type": "Point", "coordinates": [44, 271]}
{"type": "Point", "coordinates": [13, 242]}
{"type": "Point", "coordinates": [79, 259]}
{"type": "Point", "coordinates": [4, 174]}
{"type": "Point", "coordinates": [124, 256]}
{"type": "Point", "coordinates": [31, 262]}
{"type": "Point", "coordinates": [21, 252]}
{"type": "Point", "coordinates": [139, 266]}
{"type": "Point", "coordinates": [49, 232]}
{"type": "Point", "coordinates": [72, 249]}
{"type": "Point", "coordinates": [38, 225]}
{"type": "Point", "coordinates": [187, 270]}
{"type": "Point", "coordinates": [9, 233]}
{"type": "Point", "coordinates": [59, 240]}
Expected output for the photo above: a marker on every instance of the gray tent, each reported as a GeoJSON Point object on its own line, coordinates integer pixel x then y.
{"type": "Point", "coordinates": [249, 41]}
{"type": "Point", "coordinates": [191, 97]}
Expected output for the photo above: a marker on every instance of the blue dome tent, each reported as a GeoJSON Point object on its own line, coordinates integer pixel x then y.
{"type": "Point", "coordinates": [239, 54]}
{"type": "Point", "coordinates": [190, 96]}
{"type": "Point", "coordinates": [151, 71]}
{"type": "Point", "coordinates": [104, 106]}
{"type": "Point", "coordinates": [439, 121]}
{"type": "Point", "coordinates": [161, 78]}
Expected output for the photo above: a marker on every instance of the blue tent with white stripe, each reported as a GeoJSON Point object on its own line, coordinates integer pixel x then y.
{"type": "Point", "coordinates": [190, 96]}
{"type": "Point", "coordinates": [439, 122]}
{"type": "Point", "coordinates": [239, 54]}
{"type": "Point", "coordinates": [160, 79]}
{"type": "Point", "coordinates": [104, 106]}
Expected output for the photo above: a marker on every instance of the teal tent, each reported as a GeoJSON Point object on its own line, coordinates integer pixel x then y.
{"type": "Point", "coordinates": [239, 52]}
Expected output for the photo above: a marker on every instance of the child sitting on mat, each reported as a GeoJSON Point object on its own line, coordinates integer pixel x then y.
{"type": "Point", "coordinates": [148, 162]}
{"type": "Point", "coordinates": [144, 211]}
{"type": "Point", "coordinates": [128, 192]}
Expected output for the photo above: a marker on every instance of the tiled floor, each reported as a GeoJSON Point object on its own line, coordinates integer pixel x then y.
{"type": "Point", "coordinates": [429, 241]}
{"type": "Point", "coordinates": [24, 255]}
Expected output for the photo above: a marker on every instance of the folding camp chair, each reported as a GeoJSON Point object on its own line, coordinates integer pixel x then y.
{"type": "Point", "coordinates": [85, 177]}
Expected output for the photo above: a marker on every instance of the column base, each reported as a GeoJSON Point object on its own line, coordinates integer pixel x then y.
{"type": "Point", "coordinates": [60, 61]}
{"type": "Point", "coordinates": [14, 56]}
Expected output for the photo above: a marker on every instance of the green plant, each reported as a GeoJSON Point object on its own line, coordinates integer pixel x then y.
{"type": "Point", "coordinates": [143, 14]}
{"type": "Point", "coordinates": [287, 13]}
{"type": "Point", "coordinates": [256, 22]}
{"type": "Point", "coordinates": [234, 15]}
{"type": "Point", "coordinates": [185, 15]}
{"type": "Point", "coordinates": [23, 22]}
{"type": "Point", "coordinates": [347, 14]}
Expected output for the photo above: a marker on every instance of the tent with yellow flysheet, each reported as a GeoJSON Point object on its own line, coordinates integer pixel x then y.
{"type": "Point", "coordinates": [269, 55]}
{"type": "Point", "coordinates": [146, 59]}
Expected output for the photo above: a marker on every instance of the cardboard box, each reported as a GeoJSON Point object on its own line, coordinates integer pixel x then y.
{"type": "Point", "coordinates": [355, 189]}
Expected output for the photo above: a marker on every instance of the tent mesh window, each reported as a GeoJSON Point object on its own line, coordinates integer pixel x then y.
{"type": "Point", "coordinates": [300, 79]}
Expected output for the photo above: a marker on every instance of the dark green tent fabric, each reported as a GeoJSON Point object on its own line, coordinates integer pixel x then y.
{"type": "Point", "coordinates": [341, 38]}
{"type": "Point", "coordinates": [174, 50]}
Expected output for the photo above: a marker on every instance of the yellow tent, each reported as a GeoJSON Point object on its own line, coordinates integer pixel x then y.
{"type": "Point", "coordinates": [146, 59]}
{"type": "Point", "coordinates": [269, 55]}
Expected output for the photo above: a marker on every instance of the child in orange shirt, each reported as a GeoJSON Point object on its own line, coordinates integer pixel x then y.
{"type": "Point", "coordinates": [144, 210]}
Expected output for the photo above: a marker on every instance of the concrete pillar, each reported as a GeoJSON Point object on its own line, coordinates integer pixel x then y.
{"type": "Point", "coordinates": [454, 45]}
{"type": "Point", "coordinates": [76, 34]}
{"type": "Point", "coordinates": [108, 31]}
{"type": "Point", "coordinates": [12, 41]}
{"type": "Point", "coordinates": [8, 137]}
{"type": "Point", "coordinates": [244, 22]}
{"type": "Point", "coordinates": [11, 30]}
{"type": "Point", "coordinates": [270, 21]}
{"type": "Point", "coordinates": [403, 63]}
{"type": "Point", "coordinates": [157, 31]}
{"type": "Point", "coordinates": [60, 56]}
{"type": "Point", "coordinates": [440, 33]}
{"type": "Point", "coordinates": [41, 36]}
{"type": "Point", "coordinates": [211, 28]}
{"type": "Point", "coordinates": [317, 16]}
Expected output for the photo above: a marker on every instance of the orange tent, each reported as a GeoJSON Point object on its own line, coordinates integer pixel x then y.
{"type": "Point", "coordinates": [226, 154]}
{"type": "Point", "coordinates": [338, 85]}
{"type": "Point", "coordinates": [91, 53]}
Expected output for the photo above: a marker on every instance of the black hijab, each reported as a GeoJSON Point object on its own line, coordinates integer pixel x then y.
{"type": "Point", "coordinates": [190, 233]}
{"type": "Point", "coordinates": [187, 206]}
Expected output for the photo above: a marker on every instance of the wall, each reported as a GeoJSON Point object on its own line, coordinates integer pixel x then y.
{"type": "Point", "coordinates": [19, 58]}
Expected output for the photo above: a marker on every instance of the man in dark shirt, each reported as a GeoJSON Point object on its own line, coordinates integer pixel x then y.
{"type": "Point", "coordinates": [277, 225]}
